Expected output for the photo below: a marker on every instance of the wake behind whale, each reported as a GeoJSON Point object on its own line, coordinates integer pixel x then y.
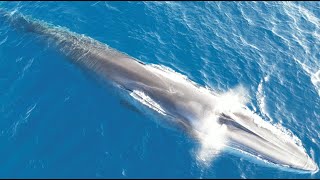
{"type": "Point", "coordinates": [219, 121]}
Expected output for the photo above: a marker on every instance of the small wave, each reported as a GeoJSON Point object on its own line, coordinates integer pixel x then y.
{"type": "Point", "coordinates": [124, 173]}
{"type": "Point", "coordinates": [107, 5]}
{"type": "Point", "coordinates": [22, 120]}
{"type": "Point", "coordinates": [315, 79]}
{"type": "Point", "coordinates": [4, 40]}
{"type": "Point", "coordinates": [26, 67]}
{"type": "Point", "coordinates": [261, 98]}
{"type": "Point", "coordinates": [314, 76]}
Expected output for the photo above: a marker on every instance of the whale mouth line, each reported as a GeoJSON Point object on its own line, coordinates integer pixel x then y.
{"type": "Point", "coordinates": [228, 121]}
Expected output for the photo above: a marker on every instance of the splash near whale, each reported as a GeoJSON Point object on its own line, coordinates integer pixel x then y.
{"type": "Point", "coordinates": [219, 121]}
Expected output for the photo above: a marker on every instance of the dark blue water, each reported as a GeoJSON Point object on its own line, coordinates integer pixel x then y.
{"type": "Point", "coordinates": [56, 121]}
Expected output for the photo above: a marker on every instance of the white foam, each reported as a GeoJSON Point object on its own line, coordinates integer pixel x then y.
{"type": "Point", "coordinates": [146, 100]}
{"type": "Point", "coordinates": [266, 78]}
{"type": "Point", "coordinates": [233, 100]}
{"type": "Point", "coordinates": [315, 79]}
{"type": "Point", "coordinates": [212, 139]}
{"type": "Point", "coordinates": [261, 98]}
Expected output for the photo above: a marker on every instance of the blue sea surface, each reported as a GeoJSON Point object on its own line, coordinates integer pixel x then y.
{"type": "Point", "coordinates": [57, 121]}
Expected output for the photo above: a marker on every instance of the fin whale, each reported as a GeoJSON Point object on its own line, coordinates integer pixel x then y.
{"type": "Point", "coordinates": [181, 100]}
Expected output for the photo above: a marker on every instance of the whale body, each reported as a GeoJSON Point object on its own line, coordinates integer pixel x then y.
{"type": "Point", "coordinates": [182, 100]}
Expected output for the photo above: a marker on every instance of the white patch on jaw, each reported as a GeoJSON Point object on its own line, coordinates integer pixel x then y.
{"type": "Point", "coordinates": [148, 101]}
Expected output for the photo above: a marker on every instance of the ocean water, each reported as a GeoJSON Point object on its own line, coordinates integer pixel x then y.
{"type": "Point", "coordinates": [56, 121]}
